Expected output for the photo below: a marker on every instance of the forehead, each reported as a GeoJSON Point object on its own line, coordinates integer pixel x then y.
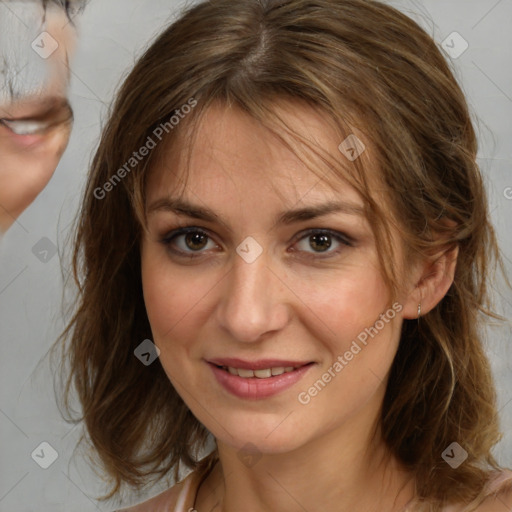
{"type": "Point", "coordinates": [230, 150]}
{"type": "Point", "coordinates": [24, 71]}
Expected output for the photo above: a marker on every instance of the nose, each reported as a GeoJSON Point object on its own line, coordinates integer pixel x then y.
{"type": "Point", "coordinates": [253, 300]}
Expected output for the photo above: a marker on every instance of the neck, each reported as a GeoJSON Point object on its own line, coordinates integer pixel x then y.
{"type": "Point", "coordinates": [345, 470]}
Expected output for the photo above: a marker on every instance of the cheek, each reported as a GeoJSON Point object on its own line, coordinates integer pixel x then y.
{"type": "Point", "coordinates": [26, 169]}
{"type": "Point", "coordinates": [174, 301]}
{"type": "Point", "coordinates": [358, 347]}
{"type": "Point", "coordinates": [345, 317]}
{"type": "Point", "coordinates": [173, 296]}
{"type": "Point", "coordinates": [345, 302]}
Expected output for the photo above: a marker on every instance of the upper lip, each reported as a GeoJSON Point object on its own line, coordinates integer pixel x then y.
{"type": "Point", "coordinates": [261, 364]}
{"type": "Point", "coordinates": [51, 113]}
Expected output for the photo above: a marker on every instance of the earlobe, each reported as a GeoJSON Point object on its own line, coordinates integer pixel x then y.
{"type": "Point", "coordinates": [435, 278]}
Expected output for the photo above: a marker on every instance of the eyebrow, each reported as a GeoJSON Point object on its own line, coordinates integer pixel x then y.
{"type": "Point", "coordinates": [184, 208]}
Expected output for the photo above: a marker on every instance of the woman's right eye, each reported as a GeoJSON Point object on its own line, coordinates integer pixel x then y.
{"type": "Point", "coordinates": [188, 241]}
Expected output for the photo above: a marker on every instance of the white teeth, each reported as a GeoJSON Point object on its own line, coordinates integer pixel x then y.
{"type": "Point", "coordinates": [242, 372]}
{"type": "Point", "coordinates": [263, 374]}
{"type": "Point", "coordinates": [25, 127]}
{"type": "Point", "coordinates": [260, 374]}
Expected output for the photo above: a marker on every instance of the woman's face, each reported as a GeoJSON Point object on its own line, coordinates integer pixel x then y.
{"type": "Point", "coordinates": [256, 284]}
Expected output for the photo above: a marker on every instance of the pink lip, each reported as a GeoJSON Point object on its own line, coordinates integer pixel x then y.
{"type": "Point", "coordinates": [261, 364]}
{"type": "Point", "coordinates": [256, 388]}
{"type": "Point", "coordinates": [25, 140]}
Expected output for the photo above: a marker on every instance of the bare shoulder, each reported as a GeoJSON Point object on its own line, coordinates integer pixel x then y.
{"type": "Point", "coordinates": [500, 500]}
{"type": "Point", "coordinates": [180, 496]}
{"type": "Point", "coordinates": [159, 503]}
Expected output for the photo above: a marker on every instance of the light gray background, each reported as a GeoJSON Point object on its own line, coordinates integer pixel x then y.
{"type": "Point", "coordinates": [113, 34]}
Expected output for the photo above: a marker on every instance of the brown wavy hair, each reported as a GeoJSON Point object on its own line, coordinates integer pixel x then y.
{"type": "Point", "coordinates": [363, 65]}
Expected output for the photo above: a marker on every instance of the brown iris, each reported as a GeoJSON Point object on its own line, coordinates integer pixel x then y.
{"type": "Point", "coordinates": [196, 241]}
{"type": "Point", "coordinates": [321, 242]}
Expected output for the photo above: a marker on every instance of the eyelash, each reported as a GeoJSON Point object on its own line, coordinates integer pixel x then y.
{"type": "Point", "coordinates": [343, 239]}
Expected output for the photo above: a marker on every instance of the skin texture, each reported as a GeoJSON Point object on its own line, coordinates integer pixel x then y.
{"type": "Point", "coordinates": [285, 305]}
{"type": "Point", "coordinates": [38, 94]}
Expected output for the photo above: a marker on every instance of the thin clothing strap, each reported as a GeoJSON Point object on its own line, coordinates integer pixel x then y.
{"type": "Point", "coordinates": [188, 493]}
{"type": "Point", "coordinates": [182, 497]}
{"type": "Point", "coordinates": [494, 485]}
{"type": "Point", "coordinates": [498, 482]}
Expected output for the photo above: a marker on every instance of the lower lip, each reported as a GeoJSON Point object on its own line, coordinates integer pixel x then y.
{"type": "Point", "coordinates": [255, 388]}
{"type": "Point", "coordinates": [29, 140]}
{"type": "Point", "coordinates": [26, 140]}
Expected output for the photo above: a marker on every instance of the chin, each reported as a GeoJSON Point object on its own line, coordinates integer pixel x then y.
{"type": "Point", "coordinates": [277, 446]}
{"type": "Point", "coordinates": [261, 437]}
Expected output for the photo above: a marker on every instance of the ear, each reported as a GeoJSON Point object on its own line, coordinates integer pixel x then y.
{"type": "Point", "coordinates": [432, 281]}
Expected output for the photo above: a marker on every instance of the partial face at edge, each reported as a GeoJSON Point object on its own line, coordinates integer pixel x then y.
{"type": "Point", "coordinates": [315, 287]}
{"type": "Point", "coordinates": [35, 116]}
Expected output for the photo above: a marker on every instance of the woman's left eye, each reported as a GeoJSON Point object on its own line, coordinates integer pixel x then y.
{"type": "Point", "coordinates": [321, 241]}
{"type": "Point", "coordinates": [187, 241]}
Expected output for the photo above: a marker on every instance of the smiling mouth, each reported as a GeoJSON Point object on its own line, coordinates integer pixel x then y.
{"type": "Point", "coordinates": [25, 127]}
{"type": "Point", "coordinates": [40, 118]}
{"type": "Point", "coordinates": [264, 373]}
